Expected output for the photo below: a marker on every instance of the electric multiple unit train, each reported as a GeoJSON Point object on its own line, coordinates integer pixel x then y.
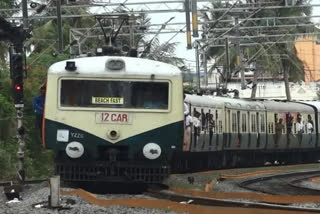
{"type": "Point", "coordinates": [121, 119]}
{"type": "Point", "coordinates": [113, 118]}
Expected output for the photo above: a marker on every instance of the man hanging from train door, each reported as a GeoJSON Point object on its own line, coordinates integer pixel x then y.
{"type": "Point", "coordinates": [299, 128]}
{"type": "Point", "coordinates": [38, 106]}
{"type": "Point", "coordinates": [187, 126]}
{"type": "Point", "coordinates": [310, 128]}
{"type": "Point", "coordinates": [279, 128]}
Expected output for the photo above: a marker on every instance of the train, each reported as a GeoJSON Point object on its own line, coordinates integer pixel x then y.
{"type": "Point", "coordinates": [231, 132]}
{"type": "Point", "coordinates": [126, 119]}
{"type": "Point", "coordinates": [113, 119]}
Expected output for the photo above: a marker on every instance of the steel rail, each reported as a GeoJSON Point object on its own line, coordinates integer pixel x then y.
{"type": "Point", "coordinates": [301, 175]}
{"type": "Point", "coordinates": [205, 201]}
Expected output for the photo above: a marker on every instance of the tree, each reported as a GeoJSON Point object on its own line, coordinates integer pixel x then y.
{"type": "Point", "coordinates": [164, 52]}
{"type": "Point", "coordinates": [274, 57]}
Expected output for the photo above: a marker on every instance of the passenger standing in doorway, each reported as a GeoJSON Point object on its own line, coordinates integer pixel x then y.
{"type": "Point", "coordinates": [289, 120]}
{"type": "Point", "coordinates": [185, 106]}
{"type": "Point", "coordinates": [38, 106]}
{"type": "Point", "coordinates": [300, 128]}
{"type": "Point", "coordinates": [310, 128]}
{"type": "Point", "coordinates": [196, 124]}
{"type": "Point", "coordinates": [187, 133]}
{"type": "Point", "coordinates": [279, 128]}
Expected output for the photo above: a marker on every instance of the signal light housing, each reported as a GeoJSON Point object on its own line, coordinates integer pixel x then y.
{"type": "Point", "coordinates": [18, 93]}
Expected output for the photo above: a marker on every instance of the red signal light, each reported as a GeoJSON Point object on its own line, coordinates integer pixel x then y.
{"type": "Point", "coordinates": [18, 87]}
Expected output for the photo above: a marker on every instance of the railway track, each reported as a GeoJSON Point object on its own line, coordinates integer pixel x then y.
{"type": "Point", "coordinates": [188, 199]}
{"type": "Point", "coordinates": [282, 184]}
{"type": "Point", "coordinates": [162, 196]}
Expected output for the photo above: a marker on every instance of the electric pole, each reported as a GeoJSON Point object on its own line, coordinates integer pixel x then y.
{"type": "Point", "coordinates": [59, 27]}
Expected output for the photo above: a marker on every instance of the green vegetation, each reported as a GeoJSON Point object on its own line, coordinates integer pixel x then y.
{"type": "Point", "coordinates": [42, 50]}
{"type": "Point", "coordinates": [273, 56]}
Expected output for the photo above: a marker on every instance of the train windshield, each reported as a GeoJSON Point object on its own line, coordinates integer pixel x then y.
{"type": "Point", "coordinates": [114, 94]}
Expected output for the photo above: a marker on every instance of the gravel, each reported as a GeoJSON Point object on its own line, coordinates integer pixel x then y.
{"type": "Point", "coordinates": [310, 184]}
{"type": "Point", "coordinates": [37, 194]}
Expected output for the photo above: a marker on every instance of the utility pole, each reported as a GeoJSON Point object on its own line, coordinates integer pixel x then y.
{"type": "Point", "coordinates": [187, 9]}
{"type": "Point", "coordinates": [25, 15]}
{"type": "Point", "coordinates": [238, 57]}
{"type": "Point", "coordinates": [17, 75]}
{"type": "Point", "coordinates": [196, 47]}
{"type": "Point", "coordinates": [205, 68]}
{"type": "Point", "coordinates": [59, 27]}
{"type": "Point", "coordinates": [194, 18]}
{"type": "Point", "coordinates": [131, 29]}
{"type": "Point", "coordinates": [16, 36]}
{"type": "Point", "coordinates": [227, 73]}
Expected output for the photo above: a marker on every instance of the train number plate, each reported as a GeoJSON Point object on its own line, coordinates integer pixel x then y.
{"type": "Point", "coordinates": [113, 117]}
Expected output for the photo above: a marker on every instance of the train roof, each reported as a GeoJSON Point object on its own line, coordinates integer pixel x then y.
{"type": "Point", "coordinates": [215, 101]}
{"type": "Point", "coordinates": [281, 106]}
{"type": "Point", "coordinates": [133, 66]}
{"type": "Point", "coordinates": [315, 104]}
{"type": "Point", "coordinates": [204, 101]}
{"type": "Point", "coordinates": [240, 103]}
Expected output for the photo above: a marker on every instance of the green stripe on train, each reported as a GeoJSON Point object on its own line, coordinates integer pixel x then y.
{"type": "Point", "coordinates": [169, 137]}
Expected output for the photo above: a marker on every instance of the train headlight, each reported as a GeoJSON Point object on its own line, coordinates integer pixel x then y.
{"type": "Point", "coordinates": [74, 149]}
{"type": "Point", "coordinates": [151, 151]}
{"type": "Point", "coordinates": [115, 65]}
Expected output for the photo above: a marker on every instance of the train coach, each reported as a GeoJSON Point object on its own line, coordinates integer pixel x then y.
{"type": "Point", "coordinates": [115, 119]}
{"type": "Point", "coordinates": [228, 132]}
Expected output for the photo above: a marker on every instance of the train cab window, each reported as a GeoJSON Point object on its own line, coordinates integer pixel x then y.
{"type": "Point", "coordinates": [114, 94]}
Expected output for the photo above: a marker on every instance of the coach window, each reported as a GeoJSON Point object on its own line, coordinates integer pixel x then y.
{"type": "Point", "coordinates": [234, 122]}
{"type": "Point", "coordinates": [244, 123]}
{"type": "Point", "coordinates": [263, 125]}
{"type": "Point", "coordinates": [253, 123]}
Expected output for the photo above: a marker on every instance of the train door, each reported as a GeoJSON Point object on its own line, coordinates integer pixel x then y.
{"type": "Point", "coordinates": [233, 141]}
{"type": "Point", "coordinates": [253, 131]}
{"type": "Point", "coordinates": [227, 133]}
{"type": "Point", "coordinates": [262, 134]}
{"type": "Point", "coordinates": [204, 131]}
{"type": "Point", "coordinates": [220, 129]}
{"type": "Point", "coordinates": [238, 129]}
{"type": "Point", "coordinates": [280, 131]}
{"type": "Point", "coordinates": [196, 128]}
{"type": "Point", "coordinates": [318, 129]}
{"type": "Point", "coordinates": [270, 144]}
{"type": "Point", "coordinates": [258, 129]}
{"type": "Point", "coordinates": [244, 129]}
{"type": "Point", "coordinates": [187, 136]}
{"type": "Point", "coordinates": [212, 128]}
{"type": "Point", "coordinates": [310, 136]}
{"type": "Point", "coordinates": [295, 139]}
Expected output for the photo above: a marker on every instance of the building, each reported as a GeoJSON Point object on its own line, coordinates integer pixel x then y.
{"type": "Point", "coordinates": [308, 50]}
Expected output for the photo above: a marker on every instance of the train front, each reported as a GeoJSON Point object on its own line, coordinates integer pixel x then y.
{"type": "Point", "coordinates": [114, 119]}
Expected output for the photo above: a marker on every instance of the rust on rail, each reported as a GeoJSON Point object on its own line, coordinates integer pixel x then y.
{"type": "Point", "coordinates": [276, 199]}
{"type": "Point", "coordinates": [249, 174]}
{"type": "Point", "coordinates": [174, 206]}
{"type": "Point", "coordinates": [315, 179]}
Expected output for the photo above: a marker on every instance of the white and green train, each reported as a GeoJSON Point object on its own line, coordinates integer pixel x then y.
{"type": "Point", "coordinates": [113, 118]}
{"type": "Point", "coordinates": [121, 119]}
{"type": "Point", "coordinates": [228, 132]}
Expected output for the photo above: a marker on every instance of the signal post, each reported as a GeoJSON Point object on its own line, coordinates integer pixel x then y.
{"type": "Point", "coordinates": [16, 35]}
